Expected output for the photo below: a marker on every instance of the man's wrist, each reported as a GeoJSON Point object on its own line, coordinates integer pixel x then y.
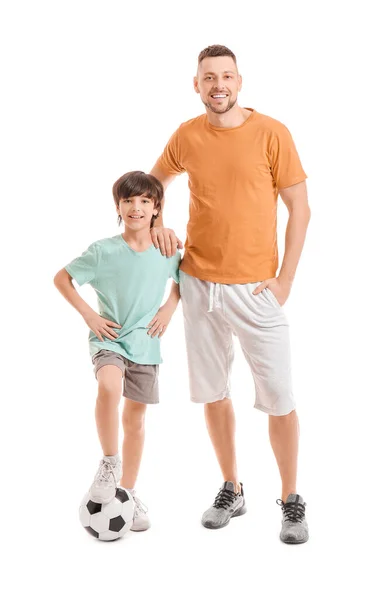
{"type": "Point", "coordinates": [285, 279]}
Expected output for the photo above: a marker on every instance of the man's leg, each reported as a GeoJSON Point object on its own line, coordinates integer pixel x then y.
{"type": "Point", "coordinates": [210, 357]}
{"type": "Point", "coordinates": [263, 332]}
{"type": "Point", "coordinates": [284, 437]}
{"type": "Point", "coordinates": [221, 425]}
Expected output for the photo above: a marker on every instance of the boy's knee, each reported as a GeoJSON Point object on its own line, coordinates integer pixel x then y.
{"type": "Point", "coordinates": [133, 417]}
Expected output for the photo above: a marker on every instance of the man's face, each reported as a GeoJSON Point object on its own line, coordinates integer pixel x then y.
{"type": "Point", "coordinates": [218, 83]}
{"type": "Point", "coordinates": [136, 212]}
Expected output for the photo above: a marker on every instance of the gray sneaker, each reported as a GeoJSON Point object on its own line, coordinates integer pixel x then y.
{"type": "Point", "coordinates": [294, 526]}
{"type": "Point", "coordinates": [227, 504]}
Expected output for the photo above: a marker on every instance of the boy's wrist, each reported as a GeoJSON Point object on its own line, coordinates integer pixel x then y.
{"type": "Point", "coordinates": [87, 312]}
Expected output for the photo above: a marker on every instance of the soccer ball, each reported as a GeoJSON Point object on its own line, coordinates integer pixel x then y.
{"type": "Point", "coordinates": [110, 521]}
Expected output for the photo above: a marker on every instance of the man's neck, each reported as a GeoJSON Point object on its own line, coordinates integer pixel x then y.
{"type": "Point", "coordinates": [233, 118]}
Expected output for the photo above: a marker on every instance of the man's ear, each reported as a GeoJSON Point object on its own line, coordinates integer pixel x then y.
{"type": "Point", "coordinates": [196, 85]}
{"type": "Point", "coordinates": [240, 83]}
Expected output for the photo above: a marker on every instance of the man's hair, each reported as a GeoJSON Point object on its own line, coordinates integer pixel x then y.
{"type": "Point", "coordinates": [138, 183]}
{"type": "Point", "coordinates": [212, 51]}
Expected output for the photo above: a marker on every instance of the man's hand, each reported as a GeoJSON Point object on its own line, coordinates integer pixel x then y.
{"type": "Point", "coordinates": [165, 239]}
{"type": "Point", "coordinates": [279, 288]}
{"type": "Point", "coordinates": [101, 327]}
{"type": "Point", "coordinates": [160, 321]}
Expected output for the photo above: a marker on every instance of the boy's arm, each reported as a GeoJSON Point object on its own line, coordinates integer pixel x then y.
{"type": "Point", "coordinates": [162, 236]}
{"type": "Point", "coordinates": [161, 320]}
{"type": "Point", "coordinates": [99, 325]}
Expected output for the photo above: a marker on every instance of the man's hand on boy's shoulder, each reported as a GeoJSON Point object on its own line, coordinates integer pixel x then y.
{"type": "Point", "coordinates": [101, 327]}
{"type": "Point", "coordinates": [166, 240]}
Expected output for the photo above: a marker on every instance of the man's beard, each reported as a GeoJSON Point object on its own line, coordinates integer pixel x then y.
{"type": "Point", "coordinates": [221, 111]}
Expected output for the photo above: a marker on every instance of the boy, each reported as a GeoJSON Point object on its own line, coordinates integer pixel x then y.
{"type": "Point", "coordinates": [129, 276]}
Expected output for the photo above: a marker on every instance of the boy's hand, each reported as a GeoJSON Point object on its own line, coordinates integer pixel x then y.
{"type": "Point", "coordinates": [160, 321]}
{"type": "Point", "coordinates": [101, 327]}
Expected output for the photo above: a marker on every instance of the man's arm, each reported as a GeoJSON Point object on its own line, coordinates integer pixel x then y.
{"type": "Point", "coordinates": [296, 200]}
{"type": "Point", "coordinates": [161, 236]}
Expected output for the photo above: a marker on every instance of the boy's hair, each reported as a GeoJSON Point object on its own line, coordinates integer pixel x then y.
{"type": "Point", "coordinates": [138, 183]}
{"type": "Point", "coordinates": [216, 50]}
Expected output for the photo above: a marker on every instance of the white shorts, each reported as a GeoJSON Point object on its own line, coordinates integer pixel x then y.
{"type": "Point", "coordinates": [215, 311]}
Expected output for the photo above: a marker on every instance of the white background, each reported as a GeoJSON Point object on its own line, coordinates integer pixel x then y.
{"type": "Point", "coordinates": [92, 90]}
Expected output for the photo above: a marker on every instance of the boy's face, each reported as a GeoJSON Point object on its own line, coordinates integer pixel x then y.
{"type": "Point", "coordinates": [136, 212]}
{"type": "Point", "coordinates": [218, 82]}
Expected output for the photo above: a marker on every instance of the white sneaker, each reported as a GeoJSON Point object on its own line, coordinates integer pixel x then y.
{"type": "Point", "coordinates": [141, 520]}
{"type": "Point", "coordinates": [103, 488]}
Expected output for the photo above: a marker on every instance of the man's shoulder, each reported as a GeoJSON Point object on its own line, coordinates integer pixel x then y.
{"type": "Point", "coordinates": [269, 124]}
{"type": "Point", "coordinates": [192, 124]}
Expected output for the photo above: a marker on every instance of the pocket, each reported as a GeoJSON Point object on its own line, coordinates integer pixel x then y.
{"type": "Point", "coordinates": [273, 298]}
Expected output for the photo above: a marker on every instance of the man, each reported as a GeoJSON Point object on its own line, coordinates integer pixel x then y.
{"type": "Point", "coordinates": [238, 161]}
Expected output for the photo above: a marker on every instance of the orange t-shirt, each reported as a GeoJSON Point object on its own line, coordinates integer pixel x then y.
{"type": "Point", "coordinates": [234, 178]}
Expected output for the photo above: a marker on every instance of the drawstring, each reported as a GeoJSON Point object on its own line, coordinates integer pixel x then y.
{"type": "Point", "coordinates": [211, 288]}
{"type": "Point", "coordinates": [214, 291]}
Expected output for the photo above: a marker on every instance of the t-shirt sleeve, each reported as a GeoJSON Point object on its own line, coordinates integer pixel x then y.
{"type": "Point", "coordinates": [84, 268]}
{"type": "Point", "coordinates": [170, 160]}
{"type": "Point", "coordinates": [174, 267]}
{"type": "Point", "coordinates": [284, 160]}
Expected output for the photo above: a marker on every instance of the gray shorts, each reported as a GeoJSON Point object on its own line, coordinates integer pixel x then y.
{"type": "Point", "coordinates": [140, 382]}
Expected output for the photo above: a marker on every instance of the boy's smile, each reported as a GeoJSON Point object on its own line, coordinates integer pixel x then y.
{"type": "Point", "coordinates": [136, 212]}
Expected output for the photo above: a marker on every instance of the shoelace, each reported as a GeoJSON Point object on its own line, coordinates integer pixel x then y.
{"type": "Point", "coordinates": [224, 499]}
{"type": "Point", "coordinates": [139, 505]}
{"type": "Point", "coordinates": [292, 511]}
{"type": "Point", "coordinates": [105, 471]}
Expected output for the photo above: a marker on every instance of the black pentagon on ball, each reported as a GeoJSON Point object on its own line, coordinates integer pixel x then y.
{"type": "Point", "coordinates": [121, 495]}
{"type": "Point", "coordinates": [116, 524]}
{"type": "Point", "coordinates": [92, 532]}
{"type": "Point", "coordinates": [93, 507]}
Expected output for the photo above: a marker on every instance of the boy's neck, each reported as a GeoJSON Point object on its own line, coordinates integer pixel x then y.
{"type": "Point", "coordinates": [138, 240]}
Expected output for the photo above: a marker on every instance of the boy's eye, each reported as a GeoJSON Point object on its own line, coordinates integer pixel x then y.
{"type": "Point", "coordinates": [127, 200]}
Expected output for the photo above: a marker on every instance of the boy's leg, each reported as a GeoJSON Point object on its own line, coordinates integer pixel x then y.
{"type": "Point", "coordinates": [107, 408]}
{"type": "Point", "coordinates": [140, 388]}
{"type": "Point", "coordinates": [134, 434]}
{"type": "Point", "coordinates": [109, 369]}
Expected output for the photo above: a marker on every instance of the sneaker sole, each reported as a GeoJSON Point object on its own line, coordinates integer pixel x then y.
{"type": "Point", "coordinates": [293, 542]}
{"type": "Point", "coordinates": [138, 530]}
{"type": "Point", "coordinates": [100, 500]}
{"type": "Point", "coordinates": [238, 513]}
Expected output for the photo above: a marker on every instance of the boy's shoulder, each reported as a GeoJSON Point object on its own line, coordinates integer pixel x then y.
{"type": "Point", "coordinates": [108, 243]}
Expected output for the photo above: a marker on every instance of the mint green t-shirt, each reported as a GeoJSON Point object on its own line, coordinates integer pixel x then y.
{"type": "Point", "coordinates": [130, 287]}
